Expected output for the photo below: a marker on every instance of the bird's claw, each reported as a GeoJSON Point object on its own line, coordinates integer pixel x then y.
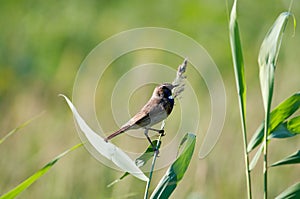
{"type": "Point", "coordinates": [162, 132]}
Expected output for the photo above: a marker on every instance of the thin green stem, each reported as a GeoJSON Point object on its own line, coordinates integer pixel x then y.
{"type": "Point", "coordinates": [290, 7]}
{"type": "Point", "coordinates": [246, 155]}
{"type": "Point", "coordinates": [19, 127]}
{"type": "Point", "coordinates": [266, 133]}
{"type": "Point", "coordinates": [265, 168]}
{"type": "Point", "coordinates": [152, 167]}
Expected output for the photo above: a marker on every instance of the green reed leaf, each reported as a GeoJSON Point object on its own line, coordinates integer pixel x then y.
{"type": "Point", "coordinates": [177, 170]}
{"type": "Point", "coordinates": [268, 55]}
{"type": "Point", "coordinates": [19, 127]}
{"type": "Point", "coordinates": [291, 159]}
{"type": "Point", "coordinates": [26, 183]}
{"type": "Point", "coordinates": [283, 111]}
{"type": "Point", "coordinates": [106, 149]}
{"type": "Point", "coordinates": [292, 192]}
{"type": "Point", "coordinates": [140, 161]}
{"type": "Point", "coordinates": [238, 62]}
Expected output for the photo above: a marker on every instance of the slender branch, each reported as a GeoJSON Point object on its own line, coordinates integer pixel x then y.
{"type": "Point", "coordinates": [152, 167]}
{"type": "Point", "coordinates": [156, 152]}
{"type": "Point", "coordinates": [266, 133]}
{"type": "Point", "coordinates": [265, 167]}
{"type": "Point", "coordinates": [246, 155]}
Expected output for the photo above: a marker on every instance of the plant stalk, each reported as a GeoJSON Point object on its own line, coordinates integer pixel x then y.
{"type": "Point", "coordinates": [265, 167]}
{"type": "Point", "coordinates": [246, 155]}
{"type": "Point", "coordinates": [152, 168]}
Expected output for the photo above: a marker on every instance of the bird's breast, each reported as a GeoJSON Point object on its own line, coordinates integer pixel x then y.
{"type": "Point", "coordinates": [168, 105]}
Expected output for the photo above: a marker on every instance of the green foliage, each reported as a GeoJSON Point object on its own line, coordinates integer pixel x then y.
{"type": "Point", "coordinates": [18, 128]}
{"type": "Point", "coordinates": [238, 62]}
{"type": "Point", "coordinates": [176, 171]}
{"type": "Point", "coordinates": [267, 59]}
{"type": "Point", "coordinates": [140, 161]}
{"type": "Point", "coordinates": [43, 44]}
{"type": "Point", "coordinates": [256, 157]}
{"type": "Point", "coordinates": [292, 159]}
{"type": "Point", "coordinates": [238, 65]}
{"type": "Point", "coordinates": [106, 149]}
{"type": "Point", "coordinates": [283, 111]}
{"type": "Point", "coordinates": [292, 192]}
{"type": "Point", "coordinates": [275, 124]}
{"type": "Point", "coordinates": [26, 183]}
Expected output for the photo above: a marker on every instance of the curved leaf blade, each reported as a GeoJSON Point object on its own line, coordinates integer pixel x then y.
{"type": "Point", "coordinates": [177, 170]}
{"type": "Point", "coordinates": [291, 192]}
{"type": "Point", "coordinates": [108, 150]}
{"type": "Point", "coordinates": [293, 125]}
{"type": "Point", "coordinates": [237, 57]}
{"type": "Point", "coordinates": [140, 161]}
{"type": "Point", "coordinates": [268, 55]}
{"type": "Point", "coordinates": [26, 183]}
{"type": "Point", "coordinates": [256, 157]}
{"type": "Point", "coordinates": [283, 111]}
{"type": "Point", "coordinates": [24, 124]}
{"type": "Point", "coordinates": [291, 159]}
{"type": "Point", "coordinates": [283, 130]}
{"type": "Point", "coordinates": [287, 129]}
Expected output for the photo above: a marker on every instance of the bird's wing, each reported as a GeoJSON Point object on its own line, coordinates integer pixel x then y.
{"type": "Point", "coordinates": [152, 113]}
{"type": "Point", "coordinates": [155, 112]}
{"type": "Point", "coordinates": [141, 119]}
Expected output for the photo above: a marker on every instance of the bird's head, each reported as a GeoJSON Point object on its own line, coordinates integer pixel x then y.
{"type": "Point", "coordinates": [164, 91]}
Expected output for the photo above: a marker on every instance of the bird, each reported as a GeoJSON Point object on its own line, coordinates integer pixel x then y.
{"type": "Point", "coordinates": [157, 109]}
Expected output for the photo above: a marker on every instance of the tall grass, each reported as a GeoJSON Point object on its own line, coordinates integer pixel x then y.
{"type": "Point", "coordinates": [18, 189]}
{"type": "Point", "coordinates": [267, 61]}
{"type": "Point", "coordinates": [238, 63]}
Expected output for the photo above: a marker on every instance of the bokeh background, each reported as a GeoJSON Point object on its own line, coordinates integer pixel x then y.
{"type": "Point", "coordinates": [42, 44]}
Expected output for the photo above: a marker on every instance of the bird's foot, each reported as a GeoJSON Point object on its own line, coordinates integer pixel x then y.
{"type": "Point", "coordinates": [162, 132]}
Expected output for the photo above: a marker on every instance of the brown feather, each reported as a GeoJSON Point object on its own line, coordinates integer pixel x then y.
{"type": "Point", "coordinates": [121, 130]}
{"type": "Point", "coordinates": [155, 110]}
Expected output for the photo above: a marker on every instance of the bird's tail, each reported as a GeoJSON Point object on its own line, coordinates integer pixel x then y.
{"type": "Point", "coordinates": [121, 130]}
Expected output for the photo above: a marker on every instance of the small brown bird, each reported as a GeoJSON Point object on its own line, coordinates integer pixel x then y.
{"type": "Point", "coordinates": [156, 110]}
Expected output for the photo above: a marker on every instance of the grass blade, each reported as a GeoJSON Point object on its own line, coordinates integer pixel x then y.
{"type": "Point", "coordinates": [176, 171]}
{"type": "Point", "coordinates": [293, 125]}
{"type": "Point", "coordinates": [267, 60]}
{"type": "Point", "coordinates": [238, 65]}
{"type": "Point", "coordinates": [283, 130]}
{"type": "Point", "coordinates": [291, 159]}
{"type": "Point", "coordinates": [283, 111]}
{"type": "Point", "coordinates": [140, 161]}
{"type": "Point", "coordinates": [238, 62]}
{"type": "Point", "coordinates": [19, 127]}
{"type": "Point", "coordinates": [148, 154]}
{"type": "Point", "coordinates": [26, 183]}
{"type": "Point", "coordinates": [256, 157]}
{"type": "Point", "coordinates": [291, 192]}
{"type": "Point", "coordinates": [268, 57]}
{"type": "Point", "coordinates": [107, 149]}
{"type": "Point", "coordinates": [287, 129]}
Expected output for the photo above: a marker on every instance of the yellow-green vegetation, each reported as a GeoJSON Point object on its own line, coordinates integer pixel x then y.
{"type": "Point", "coordinates": [42, 44]}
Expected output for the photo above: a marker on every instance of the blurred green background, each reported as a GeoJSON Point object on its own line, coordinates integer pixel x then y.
{"type": "Point", "coordinates": [42, 44]}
